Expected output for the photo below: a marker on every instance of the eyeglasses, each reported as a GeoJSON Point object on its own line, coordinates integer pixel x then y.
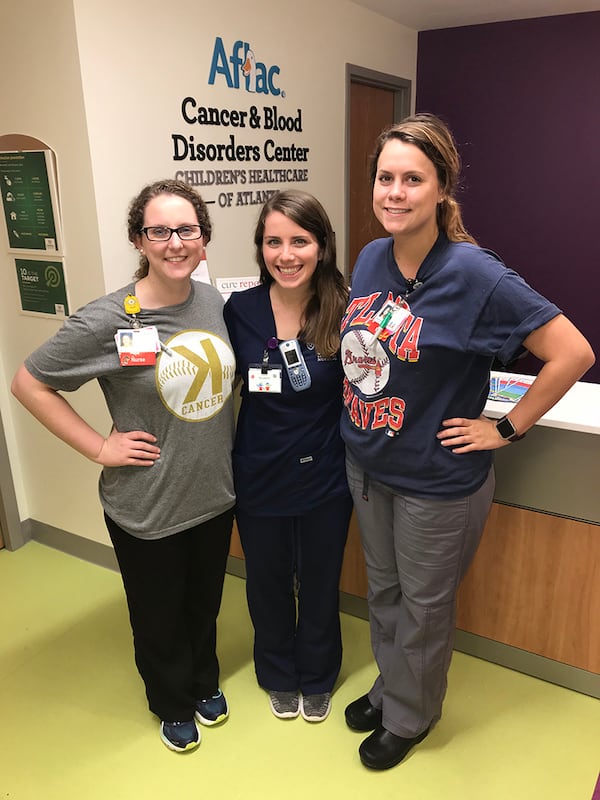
{"type": "Point", "coordinates": [160, 233]}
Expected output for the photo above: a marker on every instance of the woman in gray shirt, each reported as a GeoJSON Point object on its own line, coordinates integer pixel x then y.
{"type": "Point", "coordinates": [159, 349]}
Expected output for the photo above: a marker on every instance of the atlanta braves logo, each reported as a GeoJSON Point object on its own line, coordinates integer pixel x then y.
{"type": "Point", "coordinates": [366, 365]}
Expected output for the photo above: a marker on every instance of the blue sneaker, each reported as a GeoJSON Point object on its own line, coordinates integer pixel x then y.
{"type": "Point", "coordinates": [213, 710]}
{"type": "Point", "coordinates": [180, 736]}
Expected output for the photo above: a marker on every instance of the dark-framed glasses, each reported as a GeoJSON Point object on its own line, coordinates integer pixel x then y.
{"type": "Point", "coordinates": [160, 233]}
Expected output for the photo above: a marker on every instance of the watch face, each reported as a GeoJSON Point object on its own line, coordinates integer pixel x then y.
{"type": "Point", "coordinates": [505, 428]}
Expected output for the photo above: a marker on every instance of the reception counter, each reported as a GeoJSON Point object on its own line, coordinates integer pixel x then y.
{"type": "Point", "coordinates": [556, 468]}
{"type": "Point", "coordinates": [531, 599]}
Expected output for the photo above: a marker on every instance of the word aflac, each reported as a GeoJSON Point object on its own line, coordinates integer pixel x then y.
{"type": "Point", "coordinates": [240, 66]}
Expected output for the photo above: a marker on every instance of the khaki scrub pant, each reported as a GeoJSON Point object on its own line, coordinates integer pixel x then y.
{"type": "Point", "coordinates": [417, 551]}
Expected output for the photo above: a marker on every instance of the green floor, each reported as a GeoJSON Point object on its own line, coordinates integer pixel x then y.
{"type": "Point", "coordinates": [74, 723]}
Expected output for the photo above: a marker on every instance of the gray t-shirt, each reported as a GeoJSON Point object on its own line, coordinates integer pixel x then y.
{"type": "Point", "coordinates": [185, 400]}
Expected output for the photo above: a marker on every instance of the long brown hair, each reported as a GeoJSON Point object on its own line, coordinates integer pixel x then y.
{"type": "Point", "coordinates": [135, 219]}
{"type": "Point", "coordinates": [434, 139]}
{"type": "Point", "coordinates": [329, 293]}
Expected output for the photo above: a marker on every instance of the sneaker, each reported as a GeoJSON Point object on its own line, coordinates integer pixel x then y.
{"type": "Point", "coordinates": [285, 705]}
{"type": "Point", "coordinates": [180, 736]}
{"type": "Point", "coordinates": [315, 707]}
{"type": "Point", "coordinates": [213, 710]}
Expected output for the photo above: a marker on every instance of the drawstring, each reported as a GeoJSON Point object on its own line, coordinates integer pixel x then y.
{"type": "Point", "coordinates": [365, 490]}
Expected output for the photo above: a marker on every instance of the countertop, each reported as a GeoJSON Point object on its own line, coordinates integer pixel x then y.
{"type": "Point", "coordinates": [578, 410]}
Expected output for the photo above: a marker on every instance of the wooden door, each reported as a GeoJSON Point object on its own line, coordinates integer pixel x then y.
{"type": "Point", "coordinates": [371, 110]}
{"type": "Point", "coordinates": [374, 101]}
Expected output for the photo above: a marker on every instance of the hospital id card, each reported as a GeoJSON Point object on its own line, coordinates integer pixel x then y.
{"type": "Point", "coordinates": [267, 381]}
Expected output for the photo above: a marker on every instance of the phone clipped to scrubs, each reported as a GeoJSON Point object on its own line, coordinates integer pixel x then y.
{"type": "Point", "coordinates": [295, 365]}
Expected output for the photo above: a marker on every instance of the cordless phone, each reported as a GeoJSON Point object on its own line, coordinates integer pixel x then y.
{"type": "Point", "coordinates": [295, 365]}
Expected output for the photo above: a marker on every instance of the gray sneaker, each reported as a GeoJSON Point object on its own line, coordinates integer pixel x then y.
{"type": "Point", "coordinates": [285, 705]}
{"type": "Point", "coordinates": [315, 707]}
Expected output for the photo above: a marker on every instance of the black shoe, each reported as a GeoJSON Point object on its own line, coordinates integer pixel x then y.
{"type": "Point", "coordinates": [362, 716]}
{"type": "Point", "coordinates": [382, 749]}
{"type": "Point", "coordinates": [180, 736]}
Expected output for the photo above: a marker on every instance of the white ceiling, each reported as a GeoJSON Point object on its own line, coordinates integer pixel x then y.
{"type": "Point", "coordinates": [423, 15]}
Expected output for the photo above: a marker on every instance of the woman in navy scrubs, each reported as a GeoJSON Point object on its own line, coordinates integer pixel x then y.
{"type": "Point", "coordinates": [293, 502]}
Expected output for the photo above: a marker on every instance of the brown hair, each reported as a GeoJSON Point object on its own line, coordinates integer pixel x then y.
{"type": "Point", "coordinates": [434, 139]}
{"type": "Point", "coordinates": [329, 293]}
{"type": "Point", "coordinates": [135, 219]}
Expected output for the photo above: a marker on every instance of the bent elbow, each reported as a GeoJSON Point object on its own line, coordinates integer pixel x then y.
{"type": "Point", "coordinates": [23, 384]}
{"type": "Point", "coordinates": [16, 384]}
{"type": "Point", "coordinates": [587, 358]}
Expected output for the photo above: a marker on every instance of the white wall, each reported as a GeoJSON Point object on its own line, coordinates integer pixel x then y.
{"type": "Point", "coordinates": [110, 117]}
{"type": "Point", "coordinates": [40, 87]}
{"type": "Point", "coordinates": [140, 58]}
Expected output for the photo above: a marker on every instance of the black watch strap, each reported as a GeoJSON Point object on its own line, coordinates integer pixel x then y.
{"type": "Point", "coordinates": [507, 430]}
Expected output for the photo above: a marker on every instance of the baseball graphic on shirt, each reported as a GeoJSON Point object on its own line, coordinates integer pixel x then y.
{"type": "Point", "coordinates": [194, 375]}
{"type": "Point", "coordinates": [365, 362]}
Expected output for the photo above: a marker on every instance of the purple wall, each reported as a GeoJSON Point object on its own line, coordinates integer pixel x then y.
{"type": "Point", "coordinates": [523, 101]}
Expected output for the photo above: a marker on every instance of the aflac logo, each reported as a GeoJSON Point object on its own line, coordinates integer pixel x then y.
{"type": "Point", "coordinates": [258, 77]}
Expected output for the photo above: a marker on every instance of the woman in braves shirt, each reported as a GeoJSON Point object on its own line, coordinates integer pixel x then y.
{"type": "Point", "coordinates": [429, 311]}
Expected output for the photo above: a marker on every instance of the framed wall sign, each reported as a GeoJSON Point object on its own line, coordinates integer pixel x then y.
{"type": "Point", "coordinates": [28, 188]}
{"type": "Point", "coordinates": [42, 286]}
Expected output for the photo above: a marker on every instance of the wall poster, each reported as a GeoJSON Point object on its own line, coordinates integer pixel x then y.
{"type": "Point", "coordinates": [42, 286]}
{"type": "Point", "coordinates": [29, 193]}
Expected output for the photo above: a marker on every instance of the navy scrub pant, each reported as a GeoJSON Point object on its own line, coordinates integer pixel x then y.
{"type": "Point", "coordinates": [296, 647]}
{"type": "Point", "coordinates": [417, 551]}
{"type": "Point", "coordinates": [174, 587]}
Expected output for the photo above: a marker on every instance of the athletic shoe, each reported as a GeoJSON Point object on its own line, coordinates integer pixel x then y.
{"type": "Point", "coordinates": [213, 710]}
{"type": "Point", "coordinates": [180, 736]}
{"type": "Point", "coordinates": [315, 707]}
{"type": "Point", "coordinates": [285, 705]}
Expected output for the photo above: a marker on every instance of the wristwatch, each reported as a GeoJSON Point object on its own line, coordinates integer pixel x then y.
{"type": "Point", "coordinates": [507, 430]}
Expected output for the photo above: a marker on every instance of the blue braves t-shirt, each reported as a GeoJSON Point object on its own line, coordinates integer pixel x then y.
{"type": "Point", "coordinates": [467, 308]}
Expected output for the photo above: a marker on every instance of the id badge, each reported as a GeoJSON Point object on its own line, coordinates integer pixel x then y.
{"type": "Point", "coordinates": [388, 319]}
{"type": "Point", "coordinates": [267, 381]}
{"type": "Point", "coordinates": [392, 315]}
{"type": "Point", "coordinates": [137, 347]}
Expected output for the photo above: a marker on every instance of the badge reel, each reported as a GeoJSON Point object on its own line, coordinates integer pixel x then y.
{"type": "Point", "coordinates": [295, 365]}
{"type": "Point", "coordinates": [138, 344]}
{"type": "Point", "coordinates": [264, 377]}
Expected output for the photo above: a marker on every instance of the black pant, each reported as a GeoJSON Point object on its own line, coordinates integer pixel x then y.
{"type": "Point", "coordinates": [296, 646]}
{"type": "Point", "coordinates": [174, 587]}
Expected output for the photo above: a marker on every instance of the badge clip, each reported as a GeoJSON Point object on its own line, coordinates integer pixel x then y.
{"type": "Point", "coordinates": [132, 307]}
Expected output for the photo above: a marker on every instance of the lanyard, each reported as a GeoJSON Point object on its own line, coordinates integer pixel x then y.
{"type": "Point", "coordinates": [271, 344]}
